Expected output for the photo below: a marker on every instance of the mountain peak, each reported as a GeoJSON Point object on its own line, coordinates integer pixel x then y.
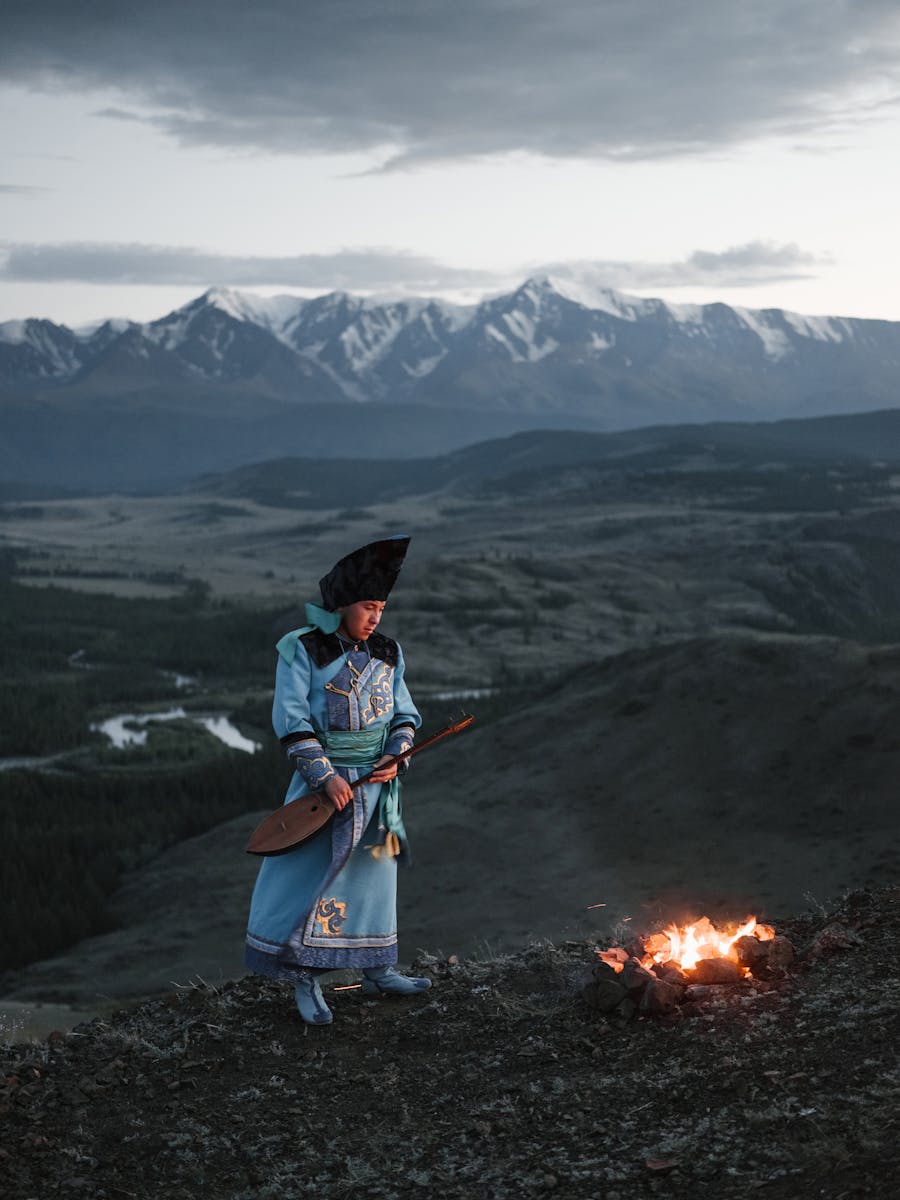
{"type": "Point", "coordinates": [271, 312]}
{"type": "Point", "coordinates": [536, 285]}
{"type": "Point", "coordinates": [589, 294]}
{"type": "Point", "coordinates": [239, 305]}
{"type": "Point", "coordinates": [535, 291]}
{"type": "Point", "coordinates": [109, 325]}
{"type": "Point", "coordinates": [13, 332]}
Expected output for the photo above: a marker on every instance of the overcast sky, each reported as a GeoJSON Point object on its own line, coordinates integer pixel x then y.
{"type": "Point", "coordinates": [697, 150]}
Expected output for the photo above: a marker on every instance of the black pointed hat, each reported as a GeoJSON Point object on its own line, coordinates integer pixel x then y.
{"type": "Point", "coordinates": [368, 573]}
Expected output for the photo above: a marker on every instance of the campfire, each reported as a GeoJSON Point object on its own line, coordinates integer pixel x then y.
{"type": "Point", "coordinates": [657, 973]}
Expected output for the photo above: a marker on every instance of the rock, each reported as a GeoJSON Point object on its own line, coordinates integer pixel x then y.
{"type": "Point", "coordinates": [670, 972]}
{"type": "Point", "coordinates": [604, 991]}
{"type": "Point", "coordinates": [662, 1165]}
{"type": "Point", "coordinates": [751, 952]}
{"type": "Point", "coordinates": [780, 953]}
{"type": "Point", "coordinates": [613, 957]}
{"type": "Point", "coordinates": [659, 997]}
{"type": "Point", "coordinates": [77, 1183]}
{"type": "Point", "coordinates": [715, 970]}
{"type": "Point", "coordinates": [634, 948]}
{"type": "Point", "coordinates": [634, 977]}
{"type": "Point", "coordinates": [832, 938]}
{"type": "Point", "coordinates": [702, 992]}
{"type": "Point", "coordinates": [424, 962]}
{"type": "Point", "coordinates": [626, 1009]}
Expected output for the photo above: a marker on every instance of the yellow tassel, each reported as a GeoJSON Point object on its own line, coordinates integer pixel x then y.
{"type": "Point", "coordinates": [390, 849]}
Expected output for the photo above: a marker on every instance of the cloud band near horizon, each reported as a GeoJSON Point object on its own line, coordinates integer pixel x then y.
{"type": "Point", "coordinates": [381, 269]}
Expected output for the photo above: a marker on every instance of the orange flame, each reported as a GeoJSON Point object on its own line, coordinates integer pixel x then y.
{"type": "Point", "coordinates": [687, 945]}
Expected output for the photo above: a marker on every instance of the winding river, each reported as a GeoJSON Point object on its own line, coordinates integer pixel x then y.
{"type": "Point", "coordinates": [122, 733]}
{"type": "Point", "coordinates": [121, 729]}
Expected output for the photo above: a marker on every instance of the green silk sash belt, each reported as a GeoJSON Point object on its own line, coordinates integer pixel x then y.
{"type": "Point", "coordinates": [363, 748]}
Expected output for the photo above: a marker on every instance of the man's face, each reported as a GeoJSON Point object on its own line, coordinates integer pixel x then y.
{"type": "Point", "coordinates": [361, 619]}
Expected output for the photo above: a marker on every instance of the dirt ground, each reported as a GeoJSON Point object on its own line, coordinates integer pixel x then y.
{"type": "Point", "coordinates": [498, 1082]}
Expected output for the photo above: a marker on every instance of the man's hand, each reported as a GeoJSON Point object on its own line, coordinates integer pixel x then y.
{"type": "Point", "coordinates": [382, 774]}
{"type": "Point", "coordinates": [338, 791]}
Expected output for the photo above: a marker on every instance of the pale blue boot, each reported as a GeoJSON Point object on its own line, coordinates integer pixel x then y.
{"type": "Point", "coordinates": [311, 1003]}
{"type": "Point", "coordinates": [390, 982]}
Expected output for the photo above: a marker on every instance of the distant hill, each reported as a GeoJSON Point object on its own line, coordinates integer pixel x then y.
{"type": "Point", "coordinates": [230, 378]}
{"type": "Point", "coordinates": [559, 460]}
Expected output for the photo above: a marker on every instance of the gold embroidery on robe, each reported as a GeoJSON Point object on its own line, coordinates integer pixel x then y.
{"type": "Point", "coordinates": [372, 688]}
{"type": "Point", "coordinates": [330, 916]}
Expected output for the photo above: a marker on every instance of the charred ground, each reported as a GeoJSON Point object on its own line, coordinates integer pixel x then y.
{"type": "Point", "coordinates": [499, 1082]}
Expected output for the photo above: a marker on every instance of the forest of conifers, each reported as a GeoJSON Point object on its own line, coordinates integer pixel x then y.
{"type": "Point", "coordinates": [70, 830]}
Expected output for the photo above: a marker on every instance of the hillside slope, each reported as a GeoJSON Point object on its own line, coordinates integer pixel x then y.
{"type": "Point", "coordinates": [720, 775]}
{"type": "Point", "coordinates": [499, 1082]}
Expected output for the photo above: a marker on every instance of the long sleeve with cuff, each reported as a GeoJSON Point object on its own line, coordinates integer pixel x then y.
{"type": "Point", "coordinates": [292, 719]}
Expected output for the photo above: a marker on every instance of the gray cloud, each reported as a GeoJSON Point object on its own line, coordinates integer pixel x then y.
{"type": "Point", "coordinates": [384, 269]}
{"type": "Point", "coordinates": [738, 266]}
{"type": "Point", "coordinates": [365, 268]}
{"type": "Point", "coordinates": [119, 114]}
{"type": "Point", "coordinates": [426, 79]}
{"type": "Point", "coordinates": [20, 189]}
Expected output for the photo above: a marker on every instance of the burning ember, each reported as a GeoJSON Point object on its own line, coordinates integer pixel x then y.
{"type": "Point", "coordinates": [655, 974]}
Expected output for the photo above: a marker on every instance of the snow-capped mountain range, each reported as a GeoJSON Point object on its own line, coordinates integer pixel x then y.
{"type": "Point", "coordinates": [232, 378]}
{"type": "Point", "coordinates": [617, 359]}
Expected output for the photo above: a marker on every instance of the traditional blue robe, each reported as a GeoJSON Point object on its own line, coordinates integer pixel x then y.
{"type": "Point", "coordinates": [330, 903]}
